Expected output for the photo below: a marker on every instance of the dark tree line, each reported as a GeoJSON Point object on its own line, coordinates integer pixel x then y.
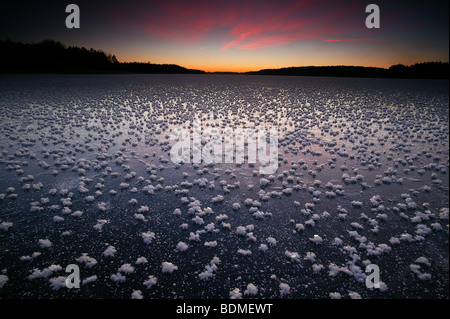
{"type": "Point", "coordinates": [428, 70]}
{"type": "Point", "coordinates": [438, 70]}
{"type": "Point", "coordinates": [350, 71]}
{"type": "Point", "coordinates": [136, 67]}
{"type": "Point", "coordinates": [51, 56]}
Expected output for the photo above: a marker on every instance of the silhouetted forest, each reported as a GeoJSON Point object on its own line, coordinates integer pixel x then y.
{"type": "Point", "coordinates": [434, 70]}
{"type": "Point", "coordinates": [427, 70]}
{"type": "Point", "coordinates": [51, 56]}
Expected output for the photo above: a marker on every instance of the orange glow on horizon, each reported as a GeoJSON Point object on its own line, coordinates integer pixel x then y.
{"type": "Point", "coordinates": [256, 67]}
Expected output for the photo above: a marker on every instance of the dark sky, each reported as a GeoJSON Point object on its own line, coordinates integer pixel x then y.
{"type": "Point", "coordinates": [241, 35]}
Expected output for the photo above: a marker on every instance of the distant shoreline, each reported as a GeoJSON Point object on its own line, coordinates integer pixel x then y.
{"type": "Point", "coordinates": [52, 57]}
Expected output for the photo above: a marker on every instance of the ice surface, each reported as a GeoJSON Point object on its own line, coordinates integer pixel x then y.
{"type": "Point", "coordinates": [86, 179]}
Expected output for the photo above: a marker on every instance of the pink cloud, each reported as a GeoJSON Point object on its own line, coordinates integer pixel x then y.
{"type": "Point", "coordinates": [248, 25]}
{"type": "Point", "coordinates": [349, 40]}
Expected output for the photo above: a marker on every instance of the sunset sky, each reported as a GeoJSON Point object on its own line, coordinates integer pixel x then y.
{"type": "Point", "coordinates": [241, 35]}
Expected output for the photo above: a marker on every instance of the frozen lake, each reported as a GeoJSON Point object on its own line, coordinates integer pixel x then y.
{"type": "Point", "coordinates": [86, 178]}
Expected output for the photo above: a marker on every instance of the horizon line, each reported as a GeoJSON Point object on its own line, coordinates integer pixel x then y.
{"type": "Point", "coordinates": [285, 67]}
{"type": "Point", "coordinates": [7, 39]}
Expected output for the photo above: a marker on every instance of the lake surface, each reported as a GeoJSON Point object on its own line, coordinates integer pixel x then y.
{"type": "Point", "coordinates": [86, 178]}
